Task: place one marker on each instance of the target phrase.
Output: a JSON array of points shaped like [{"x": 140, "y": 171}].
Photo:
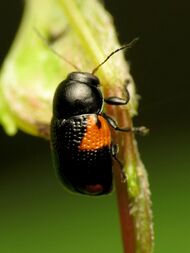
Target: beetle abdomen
[{"x": 82, "y": 150}]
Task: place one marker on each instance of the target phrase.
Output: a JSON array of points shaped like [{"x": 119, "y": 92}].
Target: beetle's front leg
[{"x": 118, "y": 100}]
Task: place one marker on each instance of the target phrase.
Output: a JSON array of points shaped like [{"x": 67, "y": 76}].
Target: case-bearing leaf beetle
[{"x": 80, "y": 133}]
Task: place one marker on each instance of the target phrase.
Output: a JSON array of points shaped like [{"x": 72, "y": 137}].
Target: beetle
[{"x": 81, "y": 141}]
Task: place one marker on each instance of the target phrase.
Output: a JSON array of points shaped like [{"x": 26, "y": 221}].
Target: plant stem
[
  {"x": 126, "y": 220},
  {"x": 133, "y": 197}
]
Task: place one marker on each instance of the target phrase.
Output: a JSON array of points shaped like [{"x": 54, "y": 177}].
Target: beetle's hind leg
[{"x": 114, "y": 151}]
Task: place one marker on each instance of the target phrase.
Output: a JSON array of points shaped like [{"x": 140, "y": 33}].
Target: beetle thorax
[{"x": 75, "y": 98}]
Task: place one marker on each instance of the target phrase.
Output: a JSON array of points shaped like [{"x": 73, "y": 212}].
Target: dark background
[{"x": 38, "y": 215}]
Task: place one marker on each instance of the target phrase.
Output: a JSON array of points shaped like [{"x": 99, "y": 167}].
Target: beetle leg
[
  {"x": 115, "y": 150},
  {"x": 113, "y": 123},
  {"x": 118, "y": 100}
]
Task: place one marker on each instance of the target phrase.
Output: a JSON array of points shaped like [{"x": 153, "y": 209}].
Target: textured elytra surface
[
  {"x": 97, "y": 134},
  {"x": 80, "y": 167}
]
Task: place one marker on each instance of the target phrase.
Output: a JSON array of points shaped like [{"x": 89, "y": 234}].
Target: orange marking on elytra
[{"x": 96, "y": 136}]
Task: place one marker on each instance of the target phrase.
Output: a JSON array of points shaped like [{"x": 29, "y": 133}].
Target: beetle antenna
[
  {"x": 54, "y": 51},
  {"x": 129, "y": 45}
]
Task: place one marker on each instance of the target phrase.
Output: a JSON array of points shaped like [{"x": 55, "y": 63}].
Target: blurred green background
[{"x": 38, "y": 215}]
